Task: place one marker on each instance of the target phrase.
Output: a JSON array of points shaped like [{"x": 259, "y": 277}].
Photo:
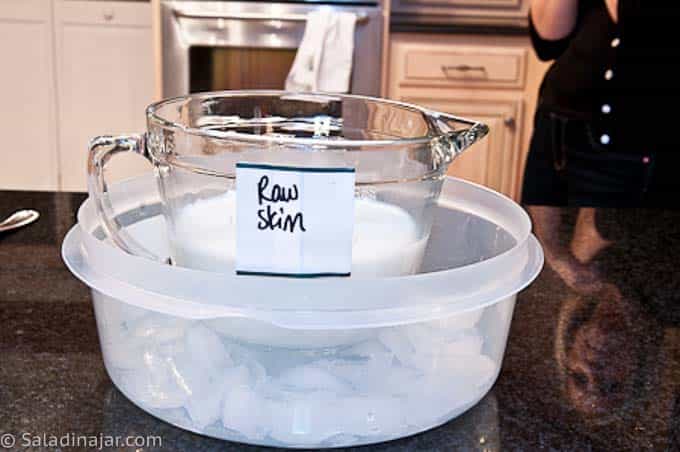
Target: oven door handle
[{"x": 361, "y": 16}]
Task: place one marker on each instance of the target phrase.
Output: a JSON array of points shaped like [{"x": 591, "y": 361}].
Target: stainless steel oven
[{"x": 216, "y": 45}]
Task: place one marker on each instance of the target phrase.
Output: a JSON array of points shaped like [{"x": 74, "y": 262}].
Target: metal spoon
[{"x": 18, "y": 219}]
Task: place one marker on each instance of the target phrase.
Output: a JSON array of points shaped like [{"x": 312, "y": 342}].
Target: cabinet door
[
  {"x": 27, "y": 113},
  {"x": 492, "y": 161},
  {"x": 105, "y": 78}
]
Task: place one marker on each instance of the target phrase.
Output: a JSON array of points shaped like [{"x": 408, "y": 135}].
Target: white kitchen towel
[
  {"x": 324, "y": 59},
  {"x": 336, "y": 60}
]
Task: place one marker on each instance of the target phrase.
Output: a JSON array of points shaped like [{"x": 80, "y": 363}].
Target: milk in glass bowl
[
  {"x": 386, "y": 239},
  {"x": 365, "y": 174}
]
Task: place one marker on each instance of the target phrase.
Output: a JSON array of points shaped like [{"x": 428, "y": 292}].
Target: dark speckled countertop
[{"x": 592, "y": 363}]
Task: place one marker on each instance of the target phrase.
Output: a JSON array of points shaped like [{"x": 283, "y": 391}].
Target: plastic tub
[{"x": 309, "y": 363}]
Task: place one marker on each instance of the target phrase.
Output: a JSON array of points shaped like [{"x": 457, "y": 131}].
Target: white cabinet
[
  {"x": 492, "y": 79},
  {"x": 70, "y": 70},
  {"x": 105, "y": 80},
  {"x": 27, "y": 108}
]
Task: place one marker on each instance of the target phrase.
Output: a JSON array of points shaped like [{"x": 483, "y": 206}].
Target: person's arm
[
  {"x": 551, "y": 23},
  {"x": 613, "y": 8},
  {"x": 554, "y": 19}
]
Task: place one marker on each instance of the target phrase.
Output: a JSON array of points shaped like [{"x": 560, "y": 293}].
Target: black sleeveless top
[{"x": 623, "y": 77}]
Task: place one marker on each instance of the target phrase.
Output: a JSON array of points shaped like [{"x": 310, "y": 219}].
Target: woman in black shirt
[
  {"x": 604, "y": 132},
  {"x": 605, "y": 127}
]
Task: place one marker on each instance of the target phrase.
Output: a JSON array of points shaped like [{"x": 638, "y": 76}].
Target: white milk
[{"x": 386, "y": 241}]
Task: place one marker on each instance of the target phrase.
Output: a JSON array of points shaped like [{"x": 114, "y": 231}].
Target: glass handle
[{"x": 101, "y": 149}]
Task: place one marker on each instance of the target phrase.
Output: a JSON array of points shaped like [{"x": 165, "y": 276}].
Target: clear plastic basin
[{"x": 309, "y": 363}]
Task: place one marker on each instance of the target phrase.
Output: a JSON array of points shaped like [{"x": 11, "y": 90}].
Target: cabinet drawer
[
  {"x": 467, "y": 67},
  {"x": 121, "y": 13}
]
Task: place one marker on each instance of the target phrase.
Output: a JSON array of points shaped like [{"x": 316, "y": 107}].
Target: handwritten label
[{"x": 294, "y": 221}]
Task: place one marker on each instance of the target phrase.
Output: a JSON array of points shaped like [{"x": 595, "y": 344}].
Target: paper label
[{"x": 294, "y": 221}]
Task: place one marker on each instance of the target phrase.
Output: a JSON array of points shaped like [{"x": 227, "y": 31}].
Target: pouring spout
[{"x": 458, "y": 134}]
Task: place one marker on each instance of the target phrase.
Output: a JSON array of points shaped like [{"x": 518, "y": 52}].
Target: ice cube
[
  {"x": 350, "y": 372},
  {"x": 424, "y": 338},
  {"x": 113, "y": 317},
  {"x": 376, "y": 354},
  {"x": 423, "y": 346},
  {"x": 237, "y": 376},
  {"x": 245, "y": 356},
  {"x": 154, "y": 379},
  {"x": 429, "y": 338},
  {"x": 159, "y": 328},
  {"x": 459, "y": 321},
  {"x": 157, "y": 384},
  {"x": 205, "y": 403},
  {"x": 400, "y": 381},
  {"x": 477, "y": 369},
  {"x": 395, "y": 339},
  {"x": 205, "y": 407},
  {"x": 124, "y": 354},
  {"x": 426, "y": 406},
  {"x": 374, "y": 415},
  {"x": 243, "y": 409},
  {"x": 430, "y": 351},
  {"x": 359, "y": 365},
  {"x": 205, "y": 348},
  {"x": 368, "y": 378},
  {"x": 264, "y": 333},
  {"x": 461, "y": 381},
  {"x": 312, "y": 377},
  {"x": 125, "y": 346},
  {"x": 466, "y": 344},
  {"x": 241, "y": 412},
  {"x": 307, "y": 418},
  {"x": 202, "y": 365}
]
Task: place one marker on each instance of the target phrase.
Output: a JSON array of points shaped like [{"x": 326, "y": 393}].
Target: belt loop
[{"x": 558, "y": 137}]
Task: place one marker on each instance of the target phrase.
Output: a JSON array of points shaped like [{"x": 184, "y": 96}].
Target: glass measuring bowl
[{"x": 399, "y": 152}]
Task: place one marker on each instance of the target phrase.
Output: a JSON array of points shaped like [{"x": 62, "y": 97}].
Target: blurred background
[{"x": 76, "y": 69}]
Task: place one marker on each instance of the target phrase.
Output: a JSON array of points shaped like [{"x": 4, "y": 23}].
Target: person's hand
[{"x": 613, "y": 7}]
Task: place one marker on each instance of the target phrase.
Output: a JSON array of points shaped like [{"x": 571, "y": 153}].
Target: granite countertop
[{"x": 592, "y": 362}]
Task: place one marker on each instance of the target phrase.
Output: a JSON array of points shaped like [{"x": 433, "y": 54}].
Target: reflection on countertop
[
  {"x": 597, "y": 338},
  {"x": 592, "y": 362}
]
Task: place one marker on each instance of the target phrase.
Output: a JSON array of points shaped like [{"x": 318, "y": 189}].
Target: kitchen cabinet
[
  {"x": 27, "y": 84},
  {"x": 492, "y": 79},
  {"x": 105, "y": 78}
]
